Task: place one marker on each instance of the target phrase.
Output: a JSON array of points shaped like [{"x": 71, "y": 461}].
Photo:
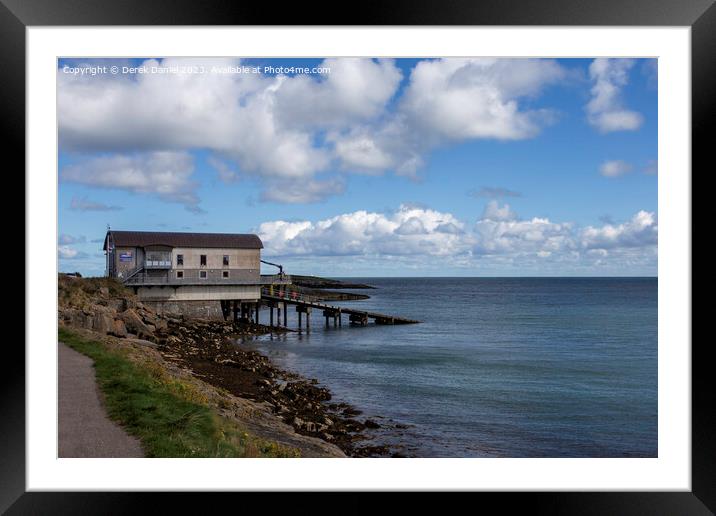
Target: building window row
[
  {"x": 202, "y": 260},
  {"x": 203, "y": 274}
]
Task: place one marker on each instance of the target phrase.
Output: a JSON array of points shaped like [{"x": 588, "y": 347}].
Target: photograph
[{"x": 357, "y": 257}]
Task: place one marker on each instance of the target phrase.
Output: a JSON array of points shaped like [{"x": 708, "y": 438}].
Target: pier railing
[{"x": 289, "y": 294}]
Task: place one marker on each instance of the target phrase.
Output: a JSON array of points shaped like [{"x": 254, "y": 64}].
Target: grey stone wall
[{"x": 190, "y": 309}]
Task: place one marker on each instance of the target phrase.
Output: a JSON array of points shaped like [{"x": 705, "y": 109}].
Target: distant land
[
  {"x": 327, "y": 288},
  {"x": 328, "y": 283}
]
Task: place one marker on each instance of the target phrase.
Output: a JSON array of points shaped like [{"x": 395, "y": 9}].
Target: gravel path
[{"x": 84, "y": 428}]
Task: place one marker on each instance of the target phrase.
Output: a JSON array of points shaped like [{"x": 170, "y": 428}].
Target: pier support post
[
  {"x": 271, "y": 314},
  {"x": 285, "y": 314},
  {"x": 225, "y": 309},
  {"x": 300, "y": 310},
  {"x": 258, "y": 307}
]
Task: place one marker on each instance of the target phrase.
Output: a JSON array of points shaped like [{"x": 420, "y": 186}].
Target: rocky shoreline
[
  {"x": 209, "y": 350},
  {"x": 213, "y": 352}
]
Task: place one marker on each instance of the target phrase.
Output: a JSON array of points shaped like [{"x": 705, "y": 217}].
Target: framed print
[{"x": 438, "y": 249}]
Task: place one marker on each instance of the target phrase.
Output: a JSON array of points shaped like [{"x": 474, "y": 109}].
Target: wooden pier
[{"x": 277, "y": 299}]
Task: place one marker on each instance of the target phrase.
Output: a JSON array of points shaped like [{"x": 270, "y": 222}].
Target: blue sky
[{"x": 407, "y": 167}]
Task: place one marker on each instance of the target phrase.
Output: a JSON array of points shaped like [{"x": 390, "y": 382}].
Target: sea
[{"x": 497, "y": 367}]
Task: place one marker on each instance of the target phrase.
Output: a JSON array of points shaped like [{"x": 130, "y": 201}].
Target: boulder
[
  {"x": 134, "y": 324},
  {"x": 118, "y": 328},
  {"x": 102, "y": 323}
]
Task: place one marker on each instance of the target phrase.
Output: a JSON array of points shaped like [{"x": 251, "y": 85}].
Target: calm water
[{"x": 505, "y": 367}]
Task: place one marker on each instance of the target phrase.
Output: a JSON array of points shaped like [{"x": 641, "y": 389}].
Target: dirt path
[{"x": 84, "y": 428}]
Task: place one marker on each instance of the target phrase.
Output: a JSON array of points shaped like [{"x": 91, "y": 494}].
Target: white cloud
[
  {"x": 267, "y": 125},
  {"x": 66, "y": 239},
  {"x": 614, "y": 168},
  {"x": 66, "y": 252},
  {"x": 289, "y": 128},
  {"x": 493, "y": 211},
  {"x": 451, "y": 100},
  {"x": 459, "y": 99},
  {"x": 164, "y": 174},
  {"x": 605, "y": 110},
  {"x": 421, "y": 235},
  {"x": 355, "y": 90},
  {"x": 407, "y": 231},
  {"x": 515, "y": 237},
  {"x": 641, "y": 230}
]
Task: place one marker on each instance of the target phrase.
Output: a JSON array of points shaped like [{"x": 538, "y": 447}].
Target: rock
[
  {"x": 118, "y": 328},
  {"x": 173, "y": 340},
  {"x": 369, "y": 423},
  {"x": 135, "y": 324},
  {"x": 143, "y": 342},
  {"x": 102, "y": 323},
  {"x": 104, "y": 291}
]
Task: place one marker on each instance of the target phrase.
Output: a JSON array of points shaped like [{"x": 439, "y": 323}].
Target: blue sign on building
[{"x": 125, "y": 257}]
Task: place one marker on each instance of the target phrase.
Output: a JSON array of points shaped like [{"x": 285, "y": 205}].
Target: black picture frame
[{"x": 700, "y": 15}]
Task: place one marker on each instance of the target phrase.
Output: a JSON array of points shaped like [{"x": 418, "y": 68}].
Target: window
[
  {"x": 202, "y": 260},
  {"x": 202, "y": 274},
  {"x": 180, "y": 259},
  {"x": 180, "y": 274},
  {"x": 224, "y": 274},
  {"x": 226, "y": 260}
]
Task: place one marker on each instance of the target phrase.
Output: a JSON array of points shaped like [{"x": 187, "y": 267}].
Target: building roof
[{"x": 148, "y": 238}]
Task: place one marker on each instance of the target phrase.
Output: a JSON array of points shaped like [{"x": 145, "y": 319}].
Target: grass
[{"x": 170, "y": 417}]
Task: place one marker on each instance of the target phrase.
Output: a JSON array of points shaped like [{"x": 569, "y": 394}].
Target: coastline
[{"x": 212, "y": 353}]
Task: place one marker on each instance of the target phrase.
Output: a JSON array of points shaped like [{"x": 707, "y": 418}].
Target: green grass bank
[{"x": 171, "y": 418}]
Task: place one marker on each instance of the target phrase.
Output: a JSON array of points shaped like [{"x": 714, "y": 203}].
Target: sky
[{"x": 352, "y": 167}]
